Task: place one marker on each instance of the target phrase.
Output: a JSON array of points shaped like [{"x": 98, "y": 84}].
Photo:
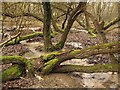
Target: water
[
  {"x": 79, "y": 30},
  {"x": 82, "y": 62},
  {"x": 33, "y": 53},
  {"x": 75, "y": 44},
  {"x": 100, "y": 80}
]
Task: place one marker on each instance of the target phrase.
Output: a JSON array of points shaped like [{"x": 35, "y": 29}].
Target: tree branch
[{"x": 9, "y": 39}]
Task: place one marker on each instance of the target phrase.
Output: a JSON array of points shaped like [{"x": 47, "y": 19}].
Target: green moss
[
  {"x": 11, "y": 73},
  {"x": 89, "y": 69},
  {"x": 54, "y": 33},
  {"x": 18, "y": 59},
  {"x": 48, "y": 67},
  {"x": 28, "y": 64},
  {"x": 49, "y": 56},
  {"x": 74, "y": 52},
  {"x": 59, "y": 45},
  {"x": 18, "y": 39},
  {"x": 91, "y": 32}
]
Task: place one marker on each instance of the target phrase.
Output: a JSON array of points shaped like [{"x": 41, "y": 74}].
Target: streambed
[
  {"x": 87, "y": 80},
  {"x": 68, "y": 80}
]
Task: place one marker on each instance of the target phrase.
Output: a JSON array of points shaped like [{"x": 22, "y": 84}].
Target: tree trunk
[
  {"x": 46, "y": 27},
  {"x": 88, "y": 27},
  {"x": 74, "y": 14},
  {"x": 88, "y": 69},
  {"x": 101, "y": 33},
  {"x": 57, "y": 58}
]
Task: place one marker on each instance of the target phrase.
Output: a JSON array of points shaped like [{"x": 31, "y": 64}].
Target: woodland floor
[{"x": 63, "y": 80}]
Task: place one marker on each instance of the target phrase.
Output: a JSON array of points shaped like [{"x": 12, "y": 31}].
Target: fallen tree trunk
[
  {"x": 11, "y": 73},
  {"x": 88, "y": 69},
  {"x": 57, "y": 58},
  {"x": 19, "y": 60},
  {"x": 52, "y": 60}
]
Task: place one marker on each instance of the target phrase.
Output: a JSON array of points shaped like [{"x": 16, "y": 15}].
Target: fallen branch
[
  {"x": 111, "y": 23},
  {"x": 17, "y": 40},
  {"x": 2, "y": 44}
]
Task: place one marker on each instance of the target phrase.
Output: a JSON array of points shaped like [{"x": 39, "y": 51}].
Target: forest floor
[{"x": 76, "y": 40}]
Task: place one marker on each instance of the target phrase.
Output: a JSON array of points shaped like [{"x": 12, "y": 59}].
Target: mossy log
[
  {"x": 19, "y": 60},
  {"x": 56, "y": 58},
  {"x": 88, "y": 69},
  {"x": 11, "y": 73},
  {"x": 15, "y": 59},
  {"x": 3, "y": 43},
  {"x": 21, "y": 38}
]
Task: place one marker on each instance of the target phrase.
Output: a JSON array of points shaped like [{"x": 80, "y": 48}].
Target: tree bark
[
  {"x": 112, "y": 23},
  {"x": 46, "y": 27},
  {"x": 52, "y": 60},
  {"x": 88, "y": 69},
  {"x": 101, "y": 34},
  {"x": 20, "y": 61},
  {"x": 62, "y": 10},
  {"x": 4, "y": 43},
  {"x": 22, "y": 14},
  {"x": 74, "y": 14},
  {"x": 21, "y": 38},
  {"x": 57, "y": 58}
]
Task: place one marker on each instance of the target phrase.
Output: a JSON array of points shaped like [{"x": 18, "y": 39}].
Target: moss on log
[
  {"x": 80, "y": 53},
  {"x": 52, "y": 55},
  {"x": 21, "y": 38},
  {"x": 88, "y": 69},
  {"x": 48, "y": 66},
  {"x": 18, "y": 60},
  {"x": 85, "y": 52},
  {"x": 11, "y": 73},
  {"x": 3, "y": 43}
]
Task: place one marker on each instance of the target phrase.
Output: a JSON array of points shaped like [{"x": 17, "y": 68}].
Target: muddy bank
[{"x": 18, "y": 49}]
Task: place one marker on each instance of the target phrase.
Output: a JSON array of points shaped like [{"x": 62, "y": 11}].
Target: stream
[
  {"x": 33, "y": 52},
  {"x": 88, "y": 80}
]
